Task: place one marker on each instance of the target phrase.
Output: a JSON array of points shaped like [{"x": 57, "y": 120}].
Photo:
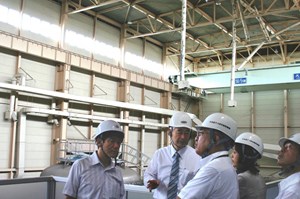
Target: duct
[
  {"x": 18, "y": 79},
  {"x": 74, "y": 116},
  {"x": 88, "y": 100},
  {"x": 20, "y": 146},
  {"x": 78, "y": 116}
]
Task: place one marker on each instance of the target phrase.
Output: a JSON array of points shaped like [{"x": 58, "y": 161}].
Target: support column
[
  {"x": 123, "y": 95},
  {"x": 166, "y": 100},
  {"x": 59, "y": 132}
]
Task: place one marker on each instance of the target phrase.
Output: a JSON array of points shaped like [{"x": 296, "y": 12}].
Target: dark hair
[
  {"x": 108, "y": 134},
  {"x": 226, "y": 140},
  {"x": 247, "y": 159}
]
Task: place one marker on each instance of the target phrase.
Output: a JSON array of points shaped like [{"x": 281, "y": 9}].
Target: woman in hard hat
[
  {"x": 289, "y": 160},
  {"x": 158, "y": 175},
  {"x": 217, "y": 177},
  {"x": 96, "y": 176},
  {"x": 247, "y": 150}
]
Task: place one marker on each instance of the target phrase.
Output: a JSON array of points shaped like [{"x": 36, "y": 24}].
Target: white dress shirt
[
  {"x": 217, "y": 179},
  {"x": 289, "y": 187},
  {"x": 160, "y": 166}
]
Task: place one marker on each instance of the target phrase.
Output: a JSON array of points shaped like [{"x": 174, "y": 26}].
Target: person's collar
[
  {"x": 96, "y": 160},
  {"x": 180, "y": 151}
]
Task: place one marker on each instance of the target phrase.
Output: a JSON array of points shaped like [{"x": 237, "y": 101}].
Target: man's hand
[{"x": 152, "y": 184}]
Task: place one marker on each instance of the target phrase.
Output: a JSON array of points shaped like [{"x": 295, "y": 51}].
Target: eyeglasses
[
  {"x": 202, "y": 131},
  {"x": 182, "y": 131}
]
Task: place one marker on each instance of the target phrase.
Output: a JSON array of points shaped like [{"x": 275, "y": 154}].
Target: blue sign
[
  {"x": 242, "y": 80},
  {"x": 296, "y": 76}
]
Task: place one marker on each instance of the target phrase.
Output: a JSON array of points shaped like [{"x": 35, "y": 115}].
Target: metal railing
[{"x": 70, "y": 150}]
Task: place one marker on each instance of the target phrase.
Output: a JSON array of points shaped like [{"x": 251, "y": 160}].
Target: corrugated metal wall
[
  {"x": 265, "y": 107},
  {"x": 42, "y": 74},
  {"x": 267, "y": 112}
]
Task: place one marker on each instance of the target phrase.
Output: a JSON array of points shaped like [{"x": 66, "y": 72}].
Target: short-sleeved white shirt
[
  {"x": 89, "y": 179},
  {"x": 289, "y": 187},
  {"x": 160, "y": 167},
  {"x": 216, "y": 179}
]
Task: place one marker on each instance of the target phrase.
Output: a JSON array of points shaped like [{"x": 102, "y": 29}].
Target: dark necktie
[{"x": 172, "y": 188}]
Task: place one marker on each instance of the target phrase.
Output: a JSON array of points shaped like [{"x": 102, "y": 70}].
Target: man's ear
[
  {"x": 99, "y": 142},
  {"x": 216, "y": 137}
]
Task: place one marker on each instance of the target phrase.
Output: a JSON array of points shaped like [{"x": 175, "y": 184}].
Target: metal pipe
[
  {"x": 232, "y": 80},
  {"x": 20, "y": 146},
  {"x": 285, "y": 113},
  {"x": 74, "y": 116},
  {"x": 183, "y": 40},
  {"x": 89, "y": 100}
]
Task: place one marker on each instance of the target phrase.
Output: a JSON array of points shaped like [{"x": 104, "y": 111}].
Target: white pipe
[
  {"x": 89, "y": 100},
  {"x": 232, "y": 80},
  {"x": 78, "y": 116},
  {"x": 183, "y": 41},
  {"x": 12, "y": 105},
  {"x": 20, "y": 146}
]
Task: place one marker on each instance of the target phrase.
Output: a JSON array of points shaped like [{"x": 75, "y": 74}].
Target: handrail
[{"x": 71, "y": 149}]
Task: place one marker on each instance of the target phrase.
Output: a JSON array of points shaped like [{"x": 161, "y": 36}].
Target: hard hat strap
[{"x": 256, "y": 156}]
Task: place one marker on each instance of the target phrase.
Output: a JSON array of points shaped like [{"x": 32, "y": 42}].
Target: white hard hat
[
  {"x": 108, "y": 126},
  {"x": 220, "y": 122},
  {"x": 251, "y": 140},
  {"x": 294, "y": 138},
  {"x": 181, "y": 119}
]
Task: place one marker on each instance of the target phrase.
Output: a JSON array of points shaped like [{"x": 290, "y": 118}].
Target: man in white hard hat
[
  {"x": 289, "y": 160},
  {"x": 158, "y": 175},
  {"x": 217, "y": 177},
  {"x": 97, "y": 176},
  {"x": 248, "y": 148}
]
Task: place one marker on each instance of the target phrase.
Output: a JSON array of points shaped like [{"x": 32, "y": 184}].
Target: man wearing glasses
[
  {"x": 160, "y": 174},
  {"x": 217, "y": 178}
]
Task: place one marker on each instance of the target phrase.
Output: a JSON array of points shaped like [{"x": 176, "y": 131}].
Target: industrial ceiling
[{"x": 213, "y": 27}]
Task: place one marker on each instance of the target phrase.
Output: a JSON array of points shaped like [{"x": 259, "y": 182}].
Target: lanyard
[{"x": 221, "y": 156}]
